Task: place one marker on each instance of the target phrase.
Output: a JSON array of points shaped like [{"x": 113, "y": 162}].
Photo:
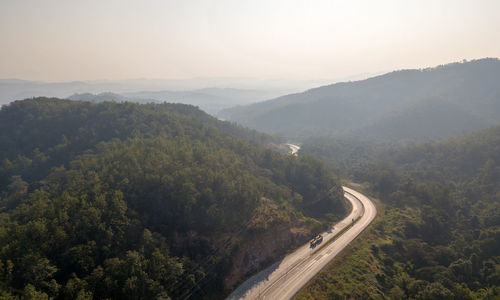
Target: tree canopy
[{"x": 135, "y": 201}]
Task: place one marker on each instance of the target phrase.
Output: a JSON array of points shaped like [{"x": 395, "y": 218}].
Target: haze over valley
[
  {"x": 249, "y": 149},
  {"x": 211, "y": 95}
]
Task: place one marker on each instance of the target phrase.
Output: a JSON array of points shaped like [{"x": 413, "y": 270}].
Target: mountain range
[
  {"x": 210, "y": 94},
  {"x": 210, "y": 99},
  {"x": 408, "y": 104}
]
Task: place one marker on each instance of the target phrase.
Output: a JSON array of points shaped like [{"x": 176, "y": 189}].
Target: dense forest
[
  {"x": 438, "y": 232},
  {"x": 140, "y": 201},
  {"x": 418, "y": 104}
]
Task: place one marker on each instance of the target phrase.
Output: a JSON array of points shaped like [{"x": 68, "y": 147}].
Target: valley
[{"x": 124, "y": 197}]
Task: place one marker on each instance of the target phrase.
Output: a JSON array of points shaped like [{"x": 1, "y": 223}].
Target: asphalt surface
[
  {"x": 285, "y": 278},
  {"x": 293, "y": 148}
]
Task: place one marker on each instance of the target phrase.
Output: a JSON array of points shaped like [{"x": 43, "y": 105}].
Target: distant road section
[
  {"x": 293, "y": 149},
  {"x": 285, "y": 278}
]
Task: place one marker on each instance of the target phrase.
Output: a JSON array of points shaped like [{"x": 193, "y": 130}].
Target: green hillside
[
  {"x": 414, "y": 104},
  {"x": 425, "y": 120},
  {"x": 131, "y": 201}
]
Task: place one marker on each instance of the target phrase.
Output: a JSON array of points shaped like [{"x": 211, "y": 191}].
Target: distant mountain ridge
[
  {"x": 366, "y": 108},
  {"x": 210, "y": 94},
  {"x": 105, "y": 96},
  {"x": 194, "y": 92},
  {"x": 210, "y": 100}
]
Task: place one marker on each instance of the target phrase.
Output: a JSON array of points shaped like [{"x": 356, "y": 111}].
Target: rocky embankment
[{"x": 262, "y": 250}]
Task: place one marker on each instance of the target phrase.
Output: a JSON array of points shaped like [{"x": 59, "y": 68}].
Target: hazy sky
[{"x": 61, "y": 40}]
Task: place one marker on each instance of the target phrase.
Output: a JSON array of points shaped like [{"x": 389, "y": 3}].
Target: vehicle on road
[{"x": 316, "y": 241}]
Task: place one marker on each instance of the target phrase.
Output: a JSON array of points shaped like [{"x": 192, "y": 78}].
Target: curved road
[
  {"x": 285, "y": 278},
  {"x": 294, "y": 149}
]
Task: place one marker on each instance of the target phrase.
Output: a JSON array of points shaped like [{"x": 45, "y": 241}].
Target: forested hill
[
  {"x": 132, "y": 201},
  {"x": 412, "y": 104},
  {"x": 43, "y": 123},
  {"x": 472, "y": 159}
]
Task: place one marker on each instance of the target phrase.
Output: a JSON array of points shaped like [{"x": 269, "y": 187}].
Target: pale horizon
[{"x": 62, "y": 41}]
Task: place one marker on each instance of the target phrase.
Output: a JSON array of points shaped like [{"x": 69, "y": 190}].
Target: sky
[{"x": 65, "y": 40}]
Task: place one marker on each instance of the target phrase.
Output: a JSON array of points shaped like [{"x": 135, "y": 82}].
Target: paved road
[
  {"x": 285, "y": 278},
  {"x": 293, "y": 149}
]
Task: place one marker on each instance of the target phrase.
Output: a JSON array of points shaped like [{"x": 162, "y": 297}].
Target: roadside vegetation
[{"x": 438, "y": 234}]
